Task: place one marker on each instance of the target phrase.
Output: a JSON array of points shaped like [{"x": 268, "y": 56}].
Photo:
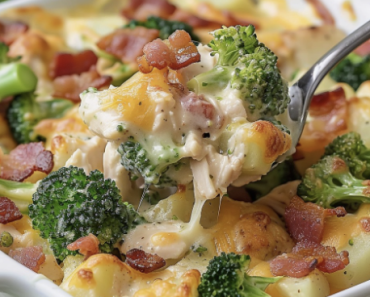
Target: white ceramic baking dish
[{"x": 18, "y": 281}]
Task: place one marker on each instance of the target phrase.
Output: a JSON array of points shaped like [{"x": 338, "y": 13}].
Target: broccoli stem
[
  {"x": 16, "y": 78},
  {"x": 217, "y": 78},
  {"x": 20, "y": 193}
]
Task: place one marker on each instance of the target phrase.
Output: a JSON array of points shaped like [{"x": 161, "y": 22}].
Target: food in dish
[{"x": 139, "y": 164}]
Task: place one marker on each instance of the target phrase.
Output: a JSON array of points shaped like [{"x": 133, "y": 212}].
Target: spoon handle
[{"x": 302, "y": 91}]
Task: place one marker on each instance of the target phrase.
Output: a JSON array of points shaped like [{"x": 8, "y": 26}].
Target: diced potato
[{"x": 347, "y": 234}]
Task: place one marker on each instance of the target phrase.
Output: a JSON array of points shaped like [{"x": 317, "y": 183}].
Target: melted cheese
[
  {"x": 169, "y": 240},
  {"x": 104, "y": 275}
]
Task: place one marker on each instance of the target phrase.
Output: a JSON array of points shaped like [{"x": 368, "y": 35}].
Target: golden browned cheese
[
  {"x": 104, "y": 275},
  {"x": 246, "y": 228},
  {"x": 133, "y": 99},
  {"x": 275, "y": 141},
  {"x": 186, "y": 286}
]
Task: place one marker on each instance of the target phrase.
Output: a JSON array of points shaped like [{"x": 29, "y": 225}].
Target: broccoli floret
[
  {"x": 329, "y": 183},
  {"x": 15, "y": 77},
  {"x": 281, "y": 174},
  {"x": 165, "y": 27},
  {"x": 248, "y": 67},
  {"x": 69, "y": 204},
  {"x": 226, "y": 276},
  {"x": 151, "y": 166},
  {"x": 351, "y": 149},
  {"x": 19, "y": 192},
  {"x": 24, "y": 113},
  {"x": 353, "y": 70}
]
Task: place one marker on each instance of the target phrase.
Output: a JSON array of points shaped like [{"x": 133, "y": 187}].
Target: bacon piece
[
  {"x": 203, "y": 111},
  {"x": 10, "y": 31},
  {"x": 292, "y": 265},
  {"x": 328, "y": 259},
  {"x": 329, "y": 113},
  {"x": 71, "y": 86},
  {"x": 24, "y": 160},
  {"x": 9, "y": 212},
  {"x": 305, "y": 257},
  {"x": 176, "y": 53},
  {"x": 305, "y": 221},
  {"x": 363, "y": 49},
  {"x": 323, "y": 12},
  {"x": 144, "y": 262},
  {"x": 32, "y": 257},
  {"x": 127, "y": 44},
  {"x": 198, "y": 105},
  {"x": 142, "y": 9},
  {"x": 88, "y": 245},
  {"x": 67, "y": 64},
  {"x": 192, "y": 20}
]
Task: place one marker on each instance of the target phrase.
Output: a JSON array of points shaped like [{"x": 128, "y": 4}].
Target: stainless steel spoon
[{"x": 302, "y": 91}]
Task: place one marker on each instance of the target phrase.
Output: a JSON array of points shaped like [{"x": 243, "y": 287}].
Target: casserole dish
[{"x": 16, "y": 280}]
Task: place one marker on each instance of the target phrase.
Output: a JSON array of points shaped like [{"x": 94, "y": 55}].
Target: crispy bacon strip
[
  {"x": 292, "y": 265},
  {"x": 176, "y": 53},
  {"x": 144, "y": 262},
  {"x": 142, "y": 9},
  {"x": 88, "y": 245},
  {"x": 9, "y": 212},
  {"x": 32, "y": 257},
  {"x": 305, "y": 257},
  {"x": 67, "y": 64},
  {"x": 24, "y": 160},
  {"x": 322, "y": 11},
  {"x": 127, "y": 44},
  {"x": 71, "y": 86},
  {"x": 328, "y": 259},
  {"x": 305, "y": 221},
  {"x": 192, "y": 20},
  {"x": 329, "y": 113},
  {"x": 10, "y": 31}
]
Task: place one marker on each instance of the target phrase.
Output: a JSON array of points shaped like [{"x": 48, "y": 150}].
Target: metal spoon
[{"x": 302, "y": 91}]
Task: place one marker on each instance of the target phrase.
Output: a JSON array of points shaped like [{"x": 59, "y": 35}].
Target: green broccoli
[
  {"x": 69, "y": 204},
  {"x": 15, "y": 77},
  {"x": 19, "y": 192},
  {"x": 353, "y": 70},
  {"x": 329, "y": 183},
  {"x": 351, "y": 149},
  {"x": 226, "y": 276},
  {"x": 149, "y": 164},
  {"x": 165, "y": 27},
  {"x": 281, "y": 174},
  {"x": 25, "y": 112},
  {"x": 248, "y": 67}
]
